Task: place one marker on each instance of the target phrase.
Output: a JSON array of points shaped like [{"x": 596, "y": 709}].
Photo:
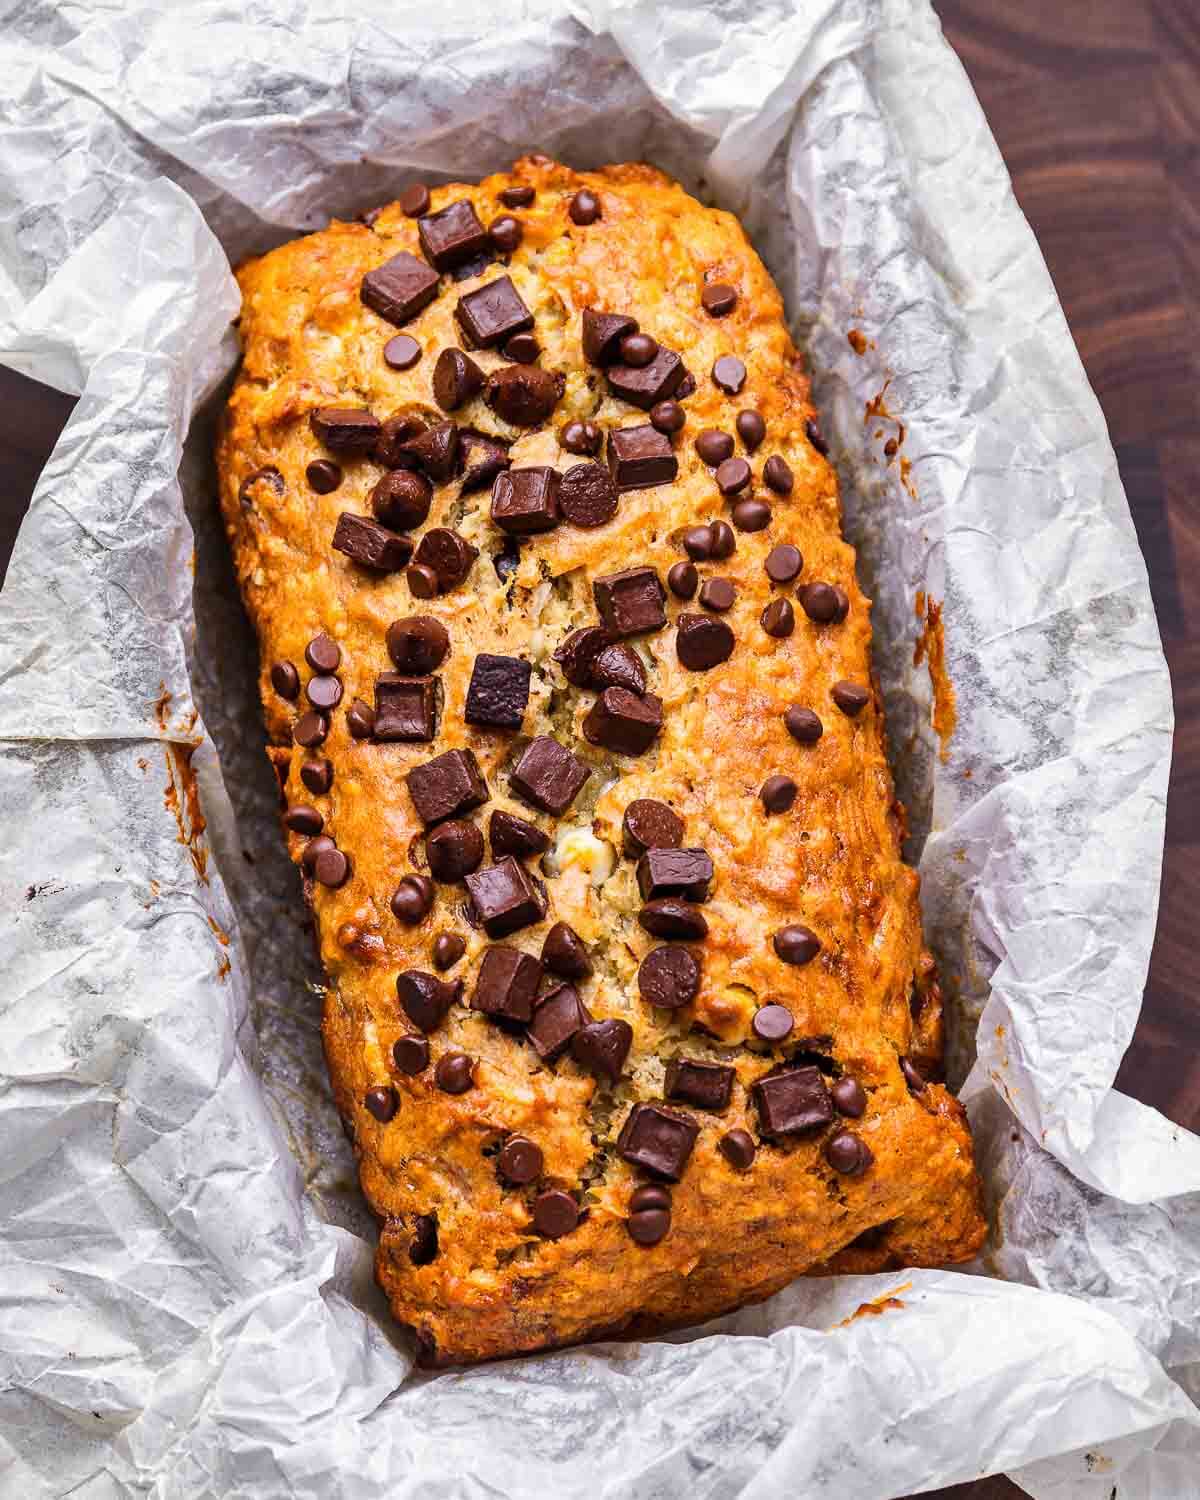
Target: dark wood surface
[{"x": 1096, "y": 106}]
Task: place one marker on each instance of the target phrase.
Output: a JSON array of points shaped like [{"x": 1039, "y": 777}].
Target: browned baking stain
[
  {"x": 182, "y": 798},
  {"x": 931, "y": 647},
  {"x": 857, "y": 341},
  {"x": 877, "y": 1308}
]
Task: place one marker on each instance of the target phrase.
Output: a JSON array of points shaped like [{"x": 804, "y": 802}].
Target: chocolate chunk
[
  {"x": 704, "y": 1084},
  {"x": 405, "y": 707},
  {"x": 587, "y": 495},
  {"x": 702, "y": 642},
  {"x": 390, "y": 447},
  {"x": 647, "y": 385},
  {"x": 401, "y": 352},
  {"x": 455, "y": 1073},
  {"x": 360, "y": 720},
  {"x": 777, "y": 476},
  {"x": 751, "y": 429},
  {"x": 446, "y": 786},
  {"x": 674, "y": 872},
  {"x": 621, "y": 721},
  {"x": 509, "y": 834},
  {"x": 640, "y": 458},
  {"x": 729, "y": 374},
  {"x": 564, "y": 954},
  {"x": 448, "y": 555},
  {"x": 697, "y": 543},
  {"x": 724, "y": 543},
  {"x": 317, "y": 776},
  {"x": 505, "y": 233},
  {"x": 668, "y": 917},
  {"x": 848, "y": 1153},
  {"x": 525, "y": 501},
  {"x": 422, "y": 582},
  {"x": 452, "y": 235},
  {"x": 412, "y": 899},
  {"x": 369, "y": 544},
  {"x": 548, "y": 775},
  {"x": 286, "y": 680},
  {"x": 314, "y": 849},
  {"x": 796, "y": 944},
  {"x": 577, "y": 654},
  {"x": 631, "y": 602},
  {"x": 602, "y": 335},
  {"x": 400, "y": 288},
  {"x": 791, "y": 1101},
  {"x": 492, "y": 313},
  {"x": 456, "y": 378},
  {"x": 751, "y": 515},
  {"x": 401, "y": 499},
  {"x": 849, "y": 1097},
  {"x": 516, "y": 197},
  {"x": 310, "y": 729},
  {"x": 425, "y": 999},
  {"x": 417, "y": 644},
  {"x": 718, "y": 594},
  {"x": 732, "y": 476},
  {"x": 424, "y": 1246},
  {"x": 556, "y": 1213},
  {"x": 522, "y": 349},
  {"x": 914, "y": 1080},
  {"x": 382, "y": 1102},
  {"x": 777, "y": 793},
  {"x": 504, "y": 898},
  {"x": 520, "y": 1161},
  {"x": 414, "y": 200},
  {"x": 667, "y": 417},
  {"x": 772, "y": 1023},
  {"x": 714, "y": 447},
  {"x": 738, "y": 1148},
  {"x": 778, "y": 619},
  {"x": 602, "y": 1047},
  {"x": 815, "y": 438},
  {"x": 802, "y": 724},
  {"x": 683, "y": 580},
  {"x": 850, "y": 697},
  {"x": 323, "y": 475},
  {"x": 580, "y": 437},
  {"x": 411, "y": 1055},
  {"x": 718, "y": 299},
  {"x": 345, "y": 429},
  {"x": 584, "y": 207},
  {"x": 482, "y": 459},
  {"x": 523, "y": 395},
  {"x": 499, "y": 690},
  {"x": 448, "y": 948},
  {"x": 331, "y": 868},
  {"x": 649, "y": 1226},
  {"x": 638, "y": 349},
  {"x": 454, "y": 849},
  {"x": 648, "y": 824},
  {"x": 558, "y": 1016},
  {"x": 434, "y": 450},
  {"x": 619, "y": 666},
  {"x": 507, "y": 984},
  {"x": 783, "y": 563},
  {"x": 301, "y": 818},
  {"x": 657, "y": 1140},
  {"x": 669, "y": 977}
]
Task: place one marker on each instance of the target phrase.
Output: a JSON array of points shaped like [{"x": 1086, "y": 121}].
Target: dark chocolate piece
[
  {"x": 619, "y": 666},
  {"x": 286, "y": 680},
  {"x": 668, "y": 417},
  {"x": 777, "y": 794},
  {"x": 669, "y": 917},
  {"x": 405, "y": 707},
  {"x": 729, "y": 374},
  {"x": 658, "y": 1140},
  {"x": 504, "y": 898},
  {"x": 447, "y": 555},
  {"x": 669, "y": 977},
  {"x": 448, "y": 948},
  {"x": 310, "y": 729},
  {"x": 414, "y": 200},
  {"x": 507, "y": 984},
  {"x": 520, "y": 1161},
  {"x": 714, "y": 446},
  {"x": 555, "y": 1213},
  {"x": 802, "y": 724},
  {"x": 703, "y": 1084},
  {"x": 454, "y": 849},
  {"x": 648, "y": 824},
  {"x": 417, "y": 644},
  {"x": 456, "y": 378},
  {"x": 850, "y": 697},
  {"x": 434, "y": 450},
  {"x": 587, "y": 495},
  {"x": 324, "y": 693},
  {"x": 849, "y": 1097},
  {"x": 702, "y": 642},
  {"x": 564, "y": 954},
  {"x": 401, "y": 499},
  {"x": 410, "y": 1055},
  {"x": 621, "y": 721},
  {"x": 640, "y": 458},
  {"x": 646, "y": 385},
  {"x": 848, "y": 1153},
  {"x": 784, "y": 563},
  {"x": 777, "y": 476},
  {"x": 796, "y": 944},
  {"x": 548, "y": 775},
  {"x": 382, "y": 1102},
  {"x": 674, "y": 872},
  {"x": 584, "y": 208},
  {"x": 751, "y": 514},
  {"x": 602, "y": 335},
  {"x": 524, "y": 395},
  {"x": 317, "y": 776},
  {"x": 446, "y": 786},
  {"x": 578, "y": 653},
  {"x": 323, "y": 475},
  {"x": 509, "y": 834},
  {"x": 301, "y": 818},
  {"x": 738, "y": 1148},
  {"x": 505, "y": 233},
  {"x": 369, "y": 544},
  {"x": 498, "y": 692},
  {"x": 525, "y": 501},
  {"x": 631, "y": 602},
  {"x": 580, "y": 437},
  {"x": 452, "y": 235},
  {"x": 772, "y": 1023},
  {"x": 791, "y": 1101},
  {"x": 412, "y": 899},
  {"x": 401, "y": 352},
  {"x": 602, "y": 1047},
  {"x": 482, "y": 459},
  {"x": 345, "y": 429},
  {"x": 558, "y": 1016},
  {"x": 400, "y": 288},
  {"x": 516, "y": 197},
  {"x": 360, "y": 720},
  {"x": 425, "y": 999},
  {"x": 492, "y": 313},
  {"x": 683, "y": 580},
  {"x": 455, "y": 1073},
  {"x": 718, "y": 298},
  {"x": 395, "y": 432},
  {"x": 751, "y": 429}
]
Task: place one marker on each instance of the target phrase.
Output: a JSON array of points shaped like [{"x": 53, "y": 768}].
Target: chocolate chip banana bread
[{"x": 568, "y": 688}]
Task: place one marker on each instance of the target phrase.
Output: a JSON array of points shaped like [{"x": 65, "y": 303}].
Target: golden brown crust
[{"x": 832, "y": 861}]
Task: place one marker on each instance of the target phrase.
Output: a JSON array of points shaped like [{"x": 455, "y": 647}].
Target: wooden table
[{"x": 1096, "y": 106}]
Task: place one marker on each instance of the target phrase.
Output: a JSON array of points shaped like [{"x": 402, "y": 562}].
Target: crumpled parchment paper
[{"x": 187, "y": 1300}]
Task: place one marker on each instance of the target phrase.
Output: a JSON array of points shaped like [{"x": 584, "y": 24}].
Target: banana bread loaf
[{"x": 567, "y": 685}]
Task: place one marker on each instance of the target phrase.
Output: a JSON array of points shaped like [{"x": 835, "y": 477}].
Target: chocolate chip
[
  {"x": 516, "y": 197},
  {"x": 422, "y": 582},
  {"x": 802, "y": 724},
  {"x": 401, "y": 352},
  {"x": 584, "y": 207},
  {"x": 369, "y": 544},
  {"x": 718, "y": 594},
  {"x": 602, "y": 1047},
  {"x": 401, "y": 499},
  {"x": 649, "y": 1226},
  {"x": 424, "y": 1246},
  {"x": 580, "y": 437},
  {"x": 509, "y": 834},
  {"x": 492, "y": 313},
  {"x": 791, "y": 1101},
  {"x": 448, "y": 948},
  {"x": 301, "y": 818},
  {"x": 564, "y": 953},
  {"x": 733, "y": 476},
  {"x": 382, "y": 1103},
  {"x": 523, "y": 395},
  {"x": 714, "y": 447},
  {"x": 520, "y": 1161},
  {"x": 577, "y": 654},
  {"x": 703, "y": 1084},
  {"x": 647, "y": 385},
  {"x": 412, "y": 899},
  {"x": 640, "y": 458},
  {"x": 448, "y": 555},
  {"x": 623, "y": 722},
  {"x": 405, "y": 707},
  {"x": 674, "y": 872},
  {"x": 360, "y": 720},
  {"x": 724, "y": 543},
  {"x": 410, "y": 1054},
  {"x": 669, "y": 917},
  {"x": 669, "y": 977},
  {"x": 417, "y": 644},
  {"x": 587, "y": 495},
  {"x": 548, "y": 776},
  {"x": 751, "y": 515},
  {"x": 914, "y": 1080},
  {"x": 499, "y": 690},
  {"x": 843, "y": 604},
  {"x": 778, "y": 619},
  {"x": 557, "y": 1017},
  {"x": 331, "y": 868},
  {"x": 482, "y": 459},
  {"x": 815, "y": 438},
  {"x": 345, "y": 429},
  {"x": 310, "y": 729},
  {"x": 446, "y": 786},
  {"x": 751, "y": 429},
  {"x": 556, "y": 1213},
  {"x": 434, "y": 450},
  {"x": 796, "y": 944},
  {"x": 452, "y": 235},
  {"x": 323, "y": 475},
  {"x": 425, "y": 999},
  {"x": 650, "y": 1195},
  {"x": 370, "y": 216},
  {"x": 505, "y": 233},
  {"x": 523, "y": 349},
  {"x": 772, "y": 1023},
  {"x": 602, "y": 335},
  {"x": 738, "y": 1148},
  {"x": 390, "y": 447},
  {"x": 683, "y": 580},
  {"x": 619, "y": 666},
  {"x": 314, "y": 849},
  {"x": 777, "y": 476},
  {"x": 648, "y": 824},
  {"x": 454, "y": 849},
  {"x": 507, "y": 984},
  {"x": 702, "y": 642},
  {"x": 503, "y": 898},
  {"x": 850, "y": 697},
  {"x": 848, "y": 1153},
  {"x": 657, "y": 1140},
  {"x": 324, "y": 693},
  {"x": 849, "y": 1097},
  {"x": 638, "y": 349},
  {"x": 630, "y": 602},
  {"x": 718, "y": 299},
  {"x": 778, "y": 793},
  {"x": 456, "y": 378},
  {"x": 697, "y": 543},
  {"x": 317, "y": 776},
  {"x": 819, "y": 602},
  {"x": 667, "y": 416},
  {"x": 729, "y": 374},
  {"x": 783, "y": 563},
  {"x": 285, "y": 680},
  {"x": 400, "y": 288},
  {"x": 454, "y": 1073}
]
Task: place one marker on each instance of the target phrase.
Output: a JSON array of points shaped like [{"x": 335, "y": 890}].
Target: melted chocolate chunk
[
  {"x": 524, "y": 395},
  {"x": 559, "y": 1015},
  {"x": 602, "y": 1047},
  {"x": 446, "y": 786},
  {"x": 414, "y": 200},
  {"x": 509, "y": 834},
  {"x": 640, "y": 458},
  {"x": 674, "y": 872},
  {"x": 631, "y": 602},
  {"x": 602, "y": 335},
  {"x": 452, "y": 235},
  {"x": 425, "y": 999},
  {"x": 619, "y": 666},
  {"x": 400, "y": 288},
  {"x": 587, "y": 495},
  {"x": 668, "y": 917},
  {"x": 405, "y": 707},
  {"x": 621, "y": 721},
  {"x": 482, "y": 459},
  {"x": 505, "y": 233},
  {"x": 389, "y": 449},
  {"x": 657, "y": 1140},
  {"x": 504, "y": 898},
  {"x": 435, "y": 450},
  {"x": 499, "y": 691},
  {"x": 525, "y": 501},
  {"x": 578, "y": 653},
  {"x": 492, "y": 313},
  {"x": 369, "y": 544},
  {"x": 564, "y": 954},
  {"x": 507, "y": 984},
  {"x": 548, "y": 775},
  {"x": 791, "y": 1101},
  {"x": 522, "y": 348},
  {"x": 647, "y": 385},
  {"x": 669, "y": 977},
  {"x": 702, "y": 642},
  {"x": 417, "y": 644},
  {"x": 454, "y": 849},
  {"x": 704, "y": 1084},
  {"x": 447, "y": 555},
  {"x": 648, "y": 824},
  {"x": 345, "y": 429},
  {"x": 456, "y": 378}
]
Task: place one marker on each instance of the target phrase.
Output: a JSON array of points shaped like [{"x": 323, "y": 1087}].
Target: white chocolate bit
[{"x": 579, "y": 848}]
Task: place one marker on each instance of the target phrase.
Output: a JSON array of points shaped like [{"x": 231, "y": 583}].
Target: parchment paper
[{"x": 187, "y": 1305}]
